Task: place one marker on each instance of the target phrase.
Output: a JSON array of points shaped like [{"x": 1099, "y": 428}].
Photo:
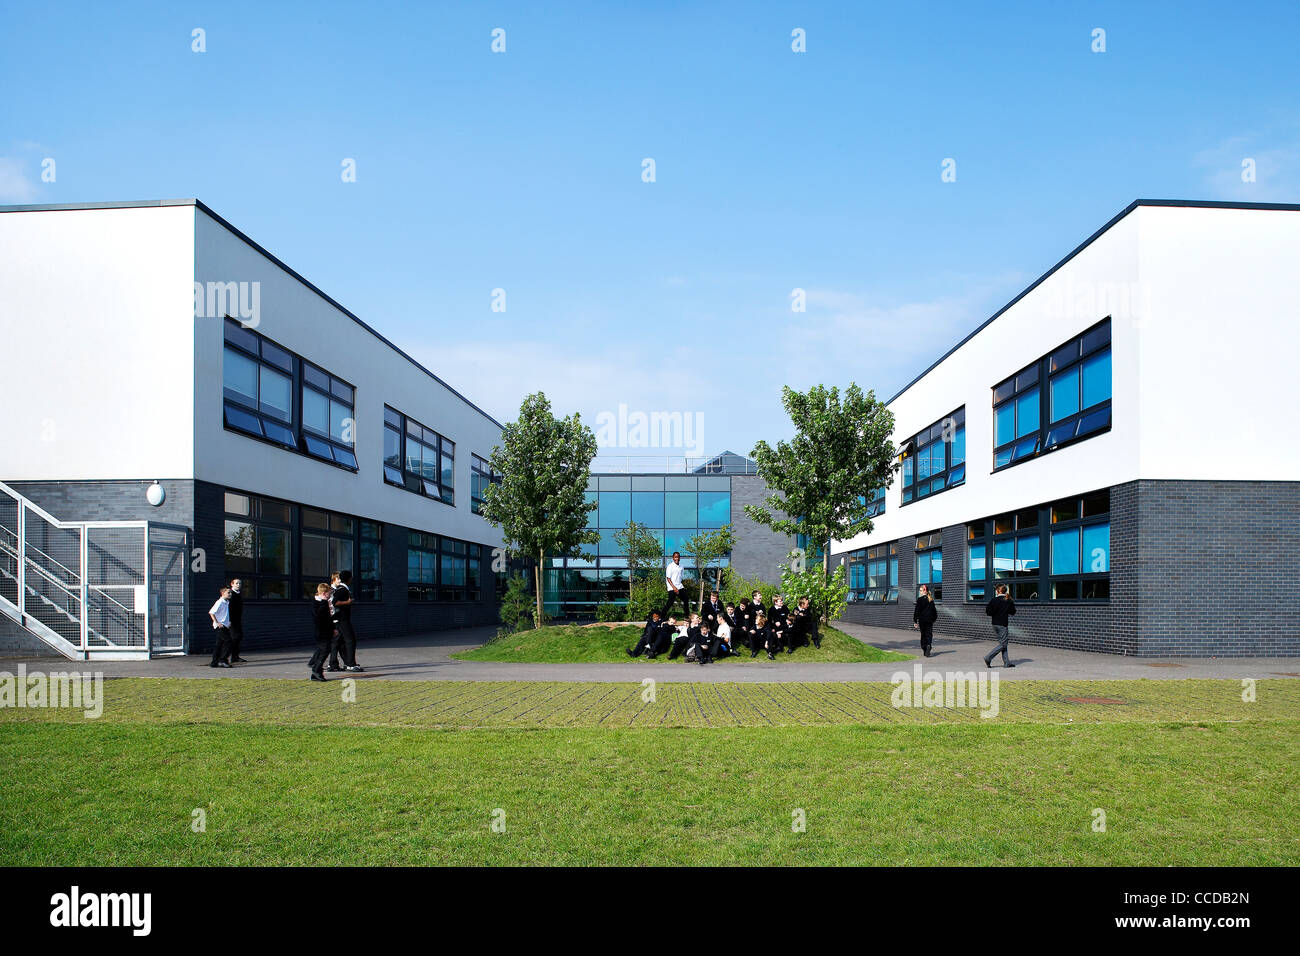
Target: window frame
[
  {"x": 481, "y": 474},
  {"x": 928, "y": 545},
  {"x": 953, "y": 473},
  {"x": 410, "y": 430},
  {"x": 1042, "y": 374}
]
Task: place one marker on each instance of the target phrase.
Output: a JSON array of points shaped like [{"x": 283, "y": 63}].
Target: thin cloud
[
  {"x": 1276, "y": 169},
  {"x": 15, "y": 185}
]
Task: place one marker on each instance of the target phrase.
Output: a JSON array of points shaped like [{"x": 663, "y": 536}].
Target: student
[
  {"x": 702, "y": 649},
  {"x": 781, "y": 636},
  {"x": 806, "y": 623},
  {"x": 689, "y": 637},
  {"x": 1000, "y": 609},
  {"x": 345, "y": 642},
  {"x": 323, "y": 628},
  {"x": 722, "y": 646},
  {"x": 713, "y": 610},
  {"x": 923, "y": 616},
  {"x": 744, "y": 627},
  {"x": 236, "y": 620},
  {"x": 648, "y": 637},
  {"x": 664, "y": 638},
  {"x": 220, "y": 614},
  {"x": 673, "y": 579},
  {"x": 762, "y": 637},
  {"x": 756, "y": 604}
]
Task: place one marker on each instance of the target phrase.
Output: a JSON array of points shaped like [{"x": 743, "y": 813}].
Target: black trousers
[
  {"x": 236, "y": 638},
  {"x": 345, "y": 644},
  {"x": 323, "y": 644},
  {"x": 927, "y": 636},
  {"x": 222, "y": 651},
  {"x": 674, "y": 596},
  {"x": 1003, "y": 635}
]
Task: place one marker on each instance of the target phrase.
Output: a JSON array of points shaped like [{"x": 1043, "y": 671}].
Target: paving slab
[{"x": 428, "y": 657}]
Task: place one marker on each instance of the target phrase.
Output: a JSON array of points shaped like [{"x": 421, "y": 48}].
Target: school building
[
  {"x": 1115, "y": 445},
  {"x": 185, "y": 408}
]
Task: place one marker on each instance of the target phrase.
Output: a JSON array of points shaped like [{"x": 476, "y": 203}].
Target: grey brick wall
[
  {"x": 758, "y": 551},
  {"x": 1197, "y": 569}
]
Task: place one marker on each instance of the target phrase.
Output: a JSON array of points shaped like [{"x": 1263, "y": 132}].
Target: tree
[
  {"x": 707, "y": 547},
  {"x": 644, "y": 550},
  {"x": 829, "y": 595},
  {"x": 823, "y": 477},
  {"x": 540, "y": 504}
]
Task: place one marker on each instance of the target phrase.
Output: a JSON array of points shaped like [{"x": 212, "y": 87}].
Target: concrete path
[{"x": 427, "y": 657}]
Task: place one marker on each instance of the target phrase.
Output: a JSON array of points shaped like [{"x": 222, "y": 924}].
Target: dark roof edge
[
  {"x": 198, "y": 204},
  {"x": 1193, "y": 203}
]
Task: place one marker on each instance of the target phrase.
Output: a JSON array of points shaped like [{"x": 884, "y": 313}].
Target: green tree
[
  {"x": 708, "y": 547},
  {"x": 823, "y": 477},
  {"x": 643, "y": 548},
  {"x": 829, "y": 594},
  {"x": 540, "y": 504}
]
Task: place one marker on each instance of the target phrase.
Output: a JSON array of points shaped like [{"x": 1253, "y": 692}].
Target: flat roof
[
  {"x": 1191, "y": 203},
  {"x": 198, "y": 204}
]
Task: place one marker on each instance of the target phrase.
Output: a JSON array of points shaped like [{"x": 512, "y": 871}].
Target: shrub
[
  {"x": 517, "y": 606},
  {"x": 610, "y": 612}
]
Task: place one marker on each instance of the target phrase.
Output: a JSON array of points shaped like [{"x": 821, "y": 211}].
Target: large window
[
  {"x": 259, "y": 545},
  {"x": 369, "y": 578},
  {"x": 439, "y": 568},
  {"x": 873, "y": 574},
  {"x": 1059, "y": 552},
  {"x": 929, "y": 563},
  {"x": 934, "y": 459},
  {"x": 418, "y": 458},
  {"x": 1060, "y": 399},
  {"x": 481, "y": 474},
  {"x": 274, "y": 395},
  {"x": 875, "y": 503},
  {"x": 328, "y": 544}
]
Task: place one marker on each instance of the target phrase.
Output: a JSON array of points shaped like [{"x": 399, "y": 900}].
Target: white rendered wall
[
  {"x": 299, "y": 319},
  {"x": 1220, "y": 383},
  {"x": 98, "y": 343}
]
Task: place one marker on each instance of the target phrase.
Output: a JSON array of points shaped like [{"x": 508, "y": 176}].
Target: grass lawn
[
  {"x": 288, "y": 772},
  {"x": 564, "y": 644}
]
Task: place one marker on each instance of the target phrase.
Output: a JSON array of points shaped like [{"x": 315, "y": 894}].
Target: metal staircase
[{"x": 93, "y": 590}]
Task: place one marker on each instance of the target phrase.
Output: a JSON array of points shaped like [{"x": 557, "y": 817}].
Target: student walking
[
  {"x": 220, "y": 614},
  {"x": 673, "y": 578},
  {"x": 1000, "y": 609},
  {"x": 345, "y": 642},
  {"x": 323, "y": 628},
  {"x": 236, "y": 620},
  {"x": 923, "y": 617}
]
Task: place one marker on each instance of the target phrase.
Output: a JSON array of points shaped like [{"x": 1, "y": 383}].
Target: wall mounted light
[{"x": 155, "y": 494}]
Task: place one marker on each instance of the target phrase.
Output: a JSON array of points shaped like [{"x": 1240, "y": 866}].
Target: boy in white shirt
[
  {"x": 220, "y": 614},
  {"x": 673, "y": 579}
]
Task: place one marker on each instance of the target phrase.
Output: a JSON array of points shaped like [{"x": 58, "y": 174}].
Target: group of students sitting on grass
[{"x": 726, "y": 630}]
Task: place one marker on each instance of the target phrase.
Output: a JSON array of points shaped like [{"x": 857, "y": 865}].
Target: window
[
  {"x": 934, "y": 460},
  {"x": 418, "y": 458},
  {"x": 328, "y": 545},
  {"x": 875, "y": 503},
  {"x": 328, "y": 426},
  {"x": 258, "y": 545},
  {"x": 1058, "y": 552},
  {"x": 1080, "y": 548},
  {"x": 929, "y": 563},
  {"x": 439, "y": 568},
  {"x": 873, "y": 574},
  {"x": 481, "y": 474},
  {"x": 1060, "y": 399},
  {"x": 259, "y": 383},
  {"x": 369, "y": 577}
]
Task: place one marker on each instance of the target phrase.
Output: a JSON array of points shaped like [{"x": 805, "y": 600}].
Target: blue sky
[{"x": 774, "y": 170}]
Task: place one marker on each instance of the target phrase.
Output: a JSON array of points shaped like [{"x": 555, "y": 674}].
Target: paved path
[{"x": 427, "y": 657}]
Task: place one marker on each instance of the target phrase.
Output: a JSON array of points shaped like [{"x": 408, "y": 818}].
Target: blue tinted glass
[
  {"x": 957, "y": 475},
  {"x": 938, "y": 457},
  {"x": 679, "y": 509},
  {"x": 1004, "y": 427},
  {"x": 907, "y": 471},
  {"x": 392, "y": 448},
  {"x": 315, "y": 411},
  {"x": 608, "y": 545},
  {"x": 448, "y": 471},
  {"x": 1025, "y": 448},
  {"x": 1065, "y": 551},
  {"x": 675, "y": 540},
  {"x": 1065, "y": 394},
  {"x": 959, "y": 446},
  {"x": 1096, "y": 379},
  {"x": 1002, "y": 458},
  {"x": 923, "y": 463},
  {"x": 1004, "y": 558},
  {"x": 976, "y": 562},
  {"x": 893, "y": 572},
  {"x": 236, "y": 417},
  {"x": 345, "y": 458},
  {"x": 648, "y": 508},
  {"x": 341, "y": 422},
  {"x": 936, "y": 567},
  {"x": 615, "y": 509},
  {"x": 277, "y": 432},
  {"x": 593, "y": 516},
  {"x": 715, "y": 508},
  {"x": 1093, "y": 421},
  {"x": 1027, "y": 554},
  {"x": 274, "y": 396},
  {"x": 1096, "y": 548},
  {"x": 1027, "y": 413},
  {"x": 922, "y": 569},
  {"x": 239, "y": 375}
]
